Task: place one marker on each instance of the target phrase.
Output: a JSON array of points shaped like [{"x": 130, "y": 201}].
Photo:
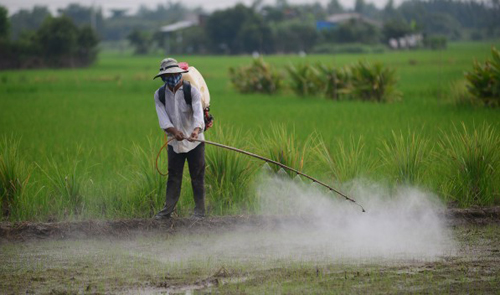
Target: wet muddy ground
[{"x": 146, "y": 257}]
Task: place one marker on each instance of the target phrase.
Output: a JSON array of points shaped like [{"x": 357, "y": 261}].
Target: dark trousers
[{"x": 196, "y": 164}]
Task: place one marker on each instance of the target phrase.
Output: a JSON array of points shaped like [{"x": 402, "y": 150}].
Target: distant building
[
  {"x": 407, "y": 41},
  {"x": 335, "y": 20},
  {"x": 118, "y": 13},
  {"x": 190, "y": 21},
  {"x": 178, "y": 27}
]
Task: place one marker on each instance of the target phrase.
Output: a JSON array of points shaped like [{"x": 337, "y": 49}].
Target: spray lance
[{"x": 266, "y": 160}]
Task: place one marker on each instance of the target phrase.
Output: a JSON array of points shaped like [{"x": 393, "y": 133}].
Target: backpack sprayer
[{"x": 195, "y": 78}]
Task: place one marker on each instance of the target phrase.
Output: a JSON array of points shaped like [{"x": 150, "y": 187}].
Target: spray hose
[
  {"x": 158, "y": 156},
  {"x": 266, "y": 160}
]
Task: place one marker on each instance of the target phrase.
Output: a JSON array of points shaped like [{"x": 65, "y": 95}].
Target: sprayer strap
[{"x": 186, "y": 88}]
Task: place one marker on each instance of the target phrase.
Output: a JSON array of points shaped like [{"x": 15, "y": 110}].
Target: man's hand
[
  {"x": 194, "y": 134},
  {"x": 176, "y": 133}
]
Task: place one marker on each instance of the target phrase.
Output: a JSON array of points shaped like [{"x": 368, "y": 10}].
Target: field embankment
[{"x": 132, "y": 228}]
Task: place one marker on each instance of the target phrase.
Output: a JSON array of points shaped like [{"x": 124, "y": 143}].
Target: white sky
[{"x": 132, "y": 5}]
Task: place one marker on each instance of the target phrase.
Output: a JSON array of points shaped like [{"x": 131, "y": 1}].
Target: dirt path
[{"x": 22, "y": 231}]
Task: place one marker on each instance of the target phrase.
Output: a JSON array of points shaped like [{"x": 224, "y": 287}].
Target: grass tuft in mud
[
  {"x": 67, "y": 179},
  {"x": 407, "y": 157},
  {"x": 228, "y": 174},
  {"x": 472, "y": 159},
  {"x": 344, "y": 161},
  {"x": 14, "y": 174},
  {"x": 283, "y": 146},
  {"x": 147, "y": 185}
]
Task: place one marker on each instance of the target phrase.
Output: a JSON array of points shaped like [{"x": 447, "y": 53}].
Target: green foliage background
[{"x": 98, "y": 117}]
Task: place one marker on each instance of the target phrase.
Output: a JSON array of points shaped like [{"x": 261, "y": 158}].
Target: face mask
[{"x": 172, "y": 80}]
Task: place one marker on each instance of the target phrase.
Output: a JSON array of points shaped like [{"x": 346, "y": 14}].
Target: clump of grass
[
  {"x": 67, "y": 184},
  {"x": 344, "y": 162},
  {"x": 407, "y": 157},
  {"x": 472, "y": 159},
  {"x": 228, "y": 173},
  {"x": 146, "y": 184},
  {"x": 283, "y": 147},
  {"x": 14, "y": 174},
  {"x": 259, "y": 77},
  {"x": 67, "y": 180},
  {"x": 374, "y": 82},
  {"x": 461, "y": 97}
]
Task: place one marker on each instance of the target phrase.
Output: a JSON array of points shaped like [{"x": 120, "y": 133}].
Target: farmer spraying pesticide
[
  {"x": 181, "y": 115},
  {"x": 182, "y": 105}
]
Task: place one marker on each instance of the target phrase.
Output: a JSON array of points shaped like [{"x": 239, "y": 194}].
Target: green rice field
[{"x": 86, "y": 139}]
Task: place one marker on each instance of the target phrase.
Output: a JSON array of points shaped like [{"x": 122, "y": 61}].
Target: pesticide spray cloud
[
  {"x": 310, "y": 224},
  {"x": 404, "y": 223}
]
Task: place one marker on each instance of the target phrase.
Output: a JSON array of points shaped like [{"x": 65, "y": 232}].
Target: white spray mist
[
  {"x": 405, "y": 223},
  {"x": 310, "y": 224}
]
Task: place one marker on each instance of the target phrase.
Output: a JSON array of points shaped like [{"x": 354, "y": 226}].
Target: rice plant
[
  {"x": 146, "y": 184},
  {"x": 284, "y": 147},
  {"x": 305, "y": 79},
  {"x": 67, "y": 181},
  {"x": 484, "y": 80},
  {"x": 344, "y": 162},
  {"x": 374, "y": 82},
  {"x": 461, "y": 97},
  {"x": 259, "y": 77},
  {"x": 407, "y": 157},
  {"x": 14, "y": 174},
  {"x": 228, "y": 173},
  {"x": 472, "y": 163}
]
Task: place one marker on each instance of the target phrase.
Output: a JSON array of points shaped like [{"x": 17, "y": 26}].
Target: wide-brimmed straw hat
[{"x": 169, "y": 66}]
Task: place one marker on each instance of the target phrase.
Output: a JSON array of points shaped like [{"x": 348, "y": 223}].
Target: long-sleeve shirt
[{"x": 185, "y": 118}]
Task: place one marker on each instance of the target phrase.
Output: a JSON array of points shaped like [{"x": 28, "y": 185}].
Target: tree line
[
  {"x": 279, "y": 28},
  {"x": 286, "y": 28},
  {"x": 55, "y": 42}
]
